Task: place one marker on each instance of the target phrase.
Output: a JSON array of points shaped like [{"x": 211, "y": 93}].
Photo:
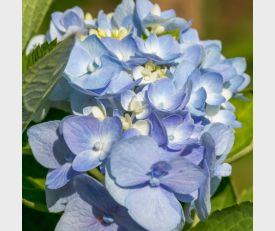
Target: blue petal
[
  {"x": 163, "y": 211},
  {"x": 181, "y": 74},
  {"x": 70, "y": 18},
  {"x": 78, "y": 61},
  {"x": 81, "y": 132},
  {"x": 223, "y": 170},
  {"x": 94, "y": 46},
  {"x": 215, "y": 99},
  {"x": 60, "y": 176},
  {"x": 57, "y": 199},
  {"x": 86, "y": 160},
  {"x": 46, "y": 144},
  {"x": 57, "y": 21},
  {"x": 212, "y": 82},
  {"x": 78, "y": 11},
  {"x": 130, "y": 133},
  {"x": 94, "y": 193},
  {"x": 121, "y": 49},
  {"x": 226, "y": 69},
  {"x": 97, "y": 196},
  {"x": 103, "y": 22},
  {"x": 209, "y": 155},
  {"x": 126, "y": 99},
  {"x": 143, "y": 8},
  {"x": 174, "y": 23},
  {"x": 226, "y": 117},
  {"x": 223, "y": 137},
  {"x": 193, "y": 54},
  {"x": 239, "y": 64},
  {"x": 120, "y": 83},
  {"x": 190, "y": 36},
  {"x": 193, "y": 152},
  {"x": 131, "y": 160},
  {"x": 203, "y": 203},
  {"x": 212, "y": 55},
  {"x": 246, "y": 81},
  {"x": 184, "y": 177},
  {"x": 80, "y": 215},
  {"x": 110, "y": 131},
  {"x": 97, "y": 80},
  {"x": 157, "y": 131},
  {"x": 123, "y": 14},
  {"x": 163, "y": 95},
  {"x": 80, "y": 100},
  {"x": 197, "y": 99},
  {"x": 187, "y": 198},
  {"x": 118, "y": 193}
]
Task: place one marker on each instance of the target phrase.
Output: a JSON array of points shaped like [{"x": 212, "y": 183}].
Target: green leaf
[
  {"x": 242, "y": 176},
  {"x": 41, "y": 77},
  {"x": 224, "y": 197},
  {"x": 39, "y": 52},
  {"x": 244, "y": 113},
  {"x": 33, "y": 184},
  {"x": 33, "y": 220},
  {"x": 34, "y": 12},
  {"x": 235, "y": 218}
]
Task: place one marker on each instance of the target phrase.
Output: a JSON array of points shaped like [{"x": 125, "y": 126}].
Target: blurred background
[{"x": 228, "y": 21}]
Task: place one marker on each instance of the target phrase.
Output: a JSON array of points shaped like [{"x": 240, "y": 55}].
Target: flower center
[
  {"x": 107, "y": 219},
  {"x": 158, "y": 170},
  {"x": 94, "y": 64},
  {"x": 171, "y": 137},
  {"x": 98, "y": 146},
  {"x": 152, "y": 72},
  {"x": 119, "y": 34}
]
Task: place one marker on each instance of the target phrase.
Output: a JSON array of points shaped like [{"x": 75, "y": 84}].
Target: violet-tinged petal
[
  {"x": 131, "y": 160},
  {"x": 81, "y": 132},
  {"x": 86, "y": 160},
  {"x": 203, "y": 203},
  {"x": 57, "y": 199},
  {"x": 46, "y": 144},
  {"x": 155, "y": 209},
  {"x": 157, "y": 130},
  {"x": 223, "y": 137},
  {"x": 181, "y": 74},
  {"x": 78, "y": 61},
  {"x": 184, "y": 177},
  {"x": 80, "y": 216},
  {"x": 60, "y": 176}
]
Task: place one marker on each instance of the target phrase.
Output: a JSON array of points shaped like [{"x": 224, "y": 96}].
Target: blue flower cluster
[{"x": 151, "y": 113}]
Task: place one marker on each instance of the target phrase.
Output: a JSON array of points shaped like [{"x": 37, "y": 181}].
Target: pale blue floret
[
  {"x": 161, "y": 50},
  {"x": 218, "y": 141},
  {"x": 62, "y": 24},
  {"x": 165, "y": 97},
  {"x": 50, "y": 150},
  {"x": 150, "y": 18},
  {"x": 136, "y": 103},
  {"x": 92, "y": 70},
  {"x": 151, "y": 176},
  {"x": 122, "y": 17},
  {"x": 90, "y": 139},
  {"x": 179, "y": 128},
  {"x": 94, "y": 209}
]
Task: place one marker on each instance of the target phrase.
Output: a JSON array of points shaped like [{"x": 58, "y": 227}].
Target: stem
[
  {"x": 244, "y": 152},
  {"x": 96, "y": 174},
  {"x": 26, "y": 151},
  {"x": 37, "y": 206}
]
